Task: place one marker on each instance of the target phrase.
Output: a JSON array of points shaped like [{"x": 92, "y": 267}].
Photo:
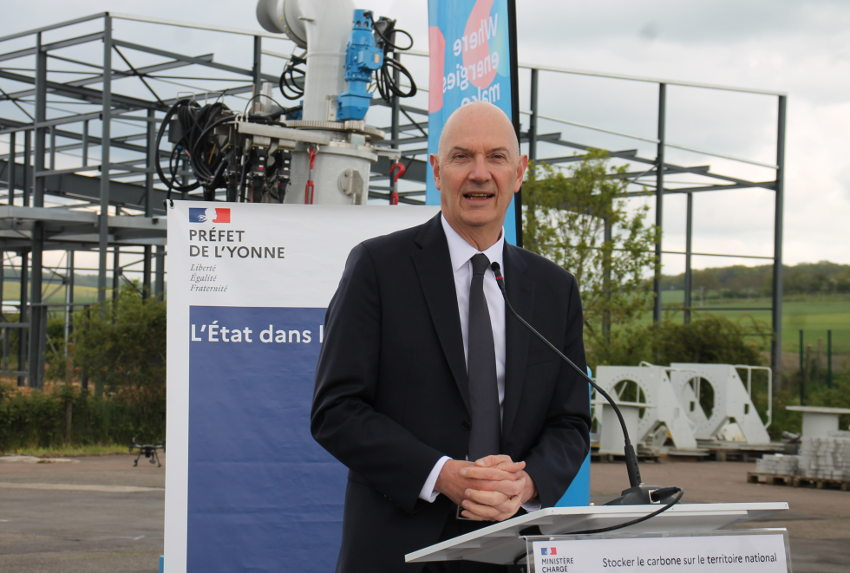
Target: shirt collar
[{"x": 460, "y": 251}]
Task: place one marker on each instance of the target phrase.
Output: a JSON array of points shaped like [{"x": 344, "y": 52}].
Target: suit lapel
[
  {"x": 520, "y": 292},
  {"x": 433, "y": 266}
]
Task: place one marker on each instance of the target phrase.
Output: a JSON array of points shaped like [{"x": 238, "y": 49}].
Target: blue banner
[
  {"x": 256, "y": 478},
  {"x": 470, "y": 60}
]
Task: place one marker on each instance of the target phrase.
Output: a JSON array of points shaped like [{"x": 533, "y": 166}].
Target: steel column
[
  {"x": 23, "y": 317},
  {"x": 148, "y": 201},
  {"x": 52, "y": 147},
  {"x": 257, "y": 69},
  {"x": 659, "y": 198},
  {"x": 776, "y": 355},
  {"x": 69, "y": 304},
  {"x": 606, "y": 281},
  {"x": 532, "y": 120},
  {"x": 159, "y": 286},
  {"x": 85, "y": 143},
  {"x": 103, "y": 223},
  {"x": 116, "y": 263},
  {"x": 689, "y": 273},
  {"x": 25, "y": 193},
  {"x": 4, "y": 331},
  {"x": 37, "y": 318},
  {"x": 11, "y": 173}
]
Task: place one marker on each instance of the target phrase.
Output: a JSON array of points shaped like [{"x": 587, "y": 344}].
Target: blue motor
[{"x": 362, "y": 57}]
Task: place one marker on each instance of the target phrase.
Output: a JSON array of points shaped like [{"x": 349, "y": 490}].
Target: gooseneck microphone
[{"x": 637, "y": 493}]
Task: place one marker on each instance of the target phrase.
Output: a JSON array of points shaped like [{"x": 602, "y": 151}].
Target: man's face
[{"x": 478, "y": 170}]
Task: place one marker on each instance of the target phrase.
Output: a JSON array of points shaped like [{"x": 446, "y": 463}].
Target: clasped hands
[{"x": 490, "y": 489}]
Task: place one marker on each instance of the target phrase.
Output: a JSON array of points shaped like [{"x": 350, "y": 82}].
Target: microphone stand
[{"x": 637, "y": 493}]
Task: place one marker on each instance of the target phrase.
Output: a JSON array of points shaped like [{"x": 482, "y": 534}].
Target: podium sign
[
  {"x": 502, "y": 542},
  {"x": 744, "y": 551}
]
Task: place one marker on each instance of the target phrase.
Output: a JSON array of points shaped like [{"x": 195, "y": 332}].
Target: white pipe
[
  {"x": 328, "y": 26},
  {"x": 323, "y": 27}
]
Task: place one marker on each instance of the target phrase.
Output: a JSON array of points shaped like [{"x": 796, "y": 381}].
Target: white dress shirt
[{"x": 460, "y": 253}]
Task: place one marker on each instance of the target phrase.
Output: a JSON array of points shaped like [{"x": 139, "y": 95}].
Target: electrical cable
[
  {"x": 385, "y": 35},
  {"x": 386, "y": 83},
  {"x": 290, "y": 77},
  {"x": 677, "y": 493},
  {"x": 393, "y": 47},
  {"x": 170, "y": 181},
  {"x": 192, "y": 128}
]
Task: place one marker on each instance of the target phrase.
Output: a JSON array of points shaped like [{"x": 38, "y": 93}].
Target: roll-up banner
[
  {"x": 247, "y": 488},
  {"x": 470, "y": 60}
]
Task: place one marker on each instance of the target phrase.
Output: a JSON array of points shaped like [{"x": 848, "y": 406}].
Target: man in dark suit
[{"x": 392, "y": 398}]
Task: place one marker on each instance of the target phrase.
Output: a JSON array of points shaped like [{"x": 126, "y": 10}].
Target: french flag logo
[
  {"x": 204, "y": 215},
  {"x": 548, "y": 551}
]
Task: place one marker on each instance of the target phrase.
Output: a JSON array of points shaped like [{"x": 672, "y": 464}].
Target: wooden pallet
[
  {"x": 823, "y": 483},
  {"x": 797, "y": 481},
  {"x": 770, "y": 479}
]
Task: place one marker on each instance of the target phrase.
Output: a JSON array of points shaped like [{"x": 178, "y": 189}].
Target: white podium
[
  {"x": 503, "y": 542},
  {"x": 819, "y": 421}
]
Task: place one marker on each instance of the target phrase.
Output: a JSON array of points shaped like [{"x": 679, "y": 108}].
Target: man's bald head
[{"x": 479, "y": 111}]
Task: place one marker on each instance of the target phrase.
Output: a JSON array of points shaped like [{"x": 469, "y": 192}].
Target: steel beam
[
  {"x": 145, "y": 70},
  {"x": 769, "y": 185},
  {"x": 247, "y": 72},
  {"x": 51, "y": 46},
  {"x": 56, "y": 26},
  {"x": 129, "y": 195},
  {"x": 92, "y": 96}
]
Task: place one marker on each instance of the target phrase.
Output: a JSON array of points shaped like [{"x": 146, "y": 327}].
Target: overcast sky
[{"x": 801, "y": 48}]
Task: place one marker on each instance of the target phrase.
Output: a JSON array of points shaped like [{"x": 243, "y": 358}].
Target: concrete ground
[
  {"x": 86, "y": 515},
  {"x": 818, "y": 521},
  {"x": 102, "y": 515}
]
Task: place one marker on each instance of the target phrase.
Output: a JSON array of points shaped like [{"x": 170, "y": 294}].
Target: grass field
[
  {"x": 814, "y": 316},
  {"x": 52, "y": 293}
]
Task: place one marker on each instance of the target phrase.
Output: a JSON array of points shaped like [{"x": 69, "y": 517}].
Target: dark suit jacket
[{"x": 391, "y": 388}]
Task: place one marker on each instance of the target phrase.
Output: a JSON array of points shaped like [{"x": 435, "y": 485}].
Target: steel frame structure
[{"x": 79, "y": 109}]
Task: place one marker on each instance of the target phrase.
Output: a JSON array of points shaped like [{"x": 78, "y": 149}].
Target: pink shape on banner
[
  {"x": 437, "y": 50},
  {"x": 477, "y": 26}
]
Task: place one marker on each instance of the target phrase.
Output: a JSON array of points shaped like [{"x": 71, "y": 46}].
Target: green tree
[
  {"x": 579, "y": 218},
  {"x": 121, "y": 347},
  {"x": 122, "y": 344}
]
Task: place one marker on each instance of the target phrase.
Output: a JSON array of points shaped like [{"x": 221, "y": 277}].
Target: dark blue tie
[{"x": 481, "y": 366}]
